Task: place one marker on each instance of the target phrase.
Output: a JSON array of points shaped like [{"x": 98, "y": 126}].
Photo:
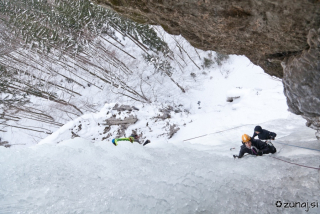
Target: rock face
[
  {"x": 266, "y": 31},
  {"x": 301, "y": 82}
]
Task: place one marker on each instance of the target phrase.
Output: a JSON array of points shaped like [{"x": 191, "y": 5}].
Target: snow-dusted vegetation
[{"x": 55, "y": 55}]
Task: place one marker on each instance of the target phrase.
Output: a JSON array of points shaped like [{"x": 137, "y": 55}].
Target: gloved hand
[
  {"x": 260, "y": 153},
  {"x": 131, "y": 139},
  {"x": 235, "y": 156}
]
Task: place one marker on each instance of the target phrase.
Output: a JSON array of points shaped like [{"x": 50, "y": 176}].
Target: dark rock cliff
[
  {"x": 301, "y": 82},
  {"x": 268, "y": 32}
]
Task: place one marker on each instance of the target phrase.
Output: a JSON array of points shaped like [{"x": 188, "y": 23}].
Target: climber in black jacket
[
  {"x": 254, "y": 147},
  {"x": 263, "y": 134}
]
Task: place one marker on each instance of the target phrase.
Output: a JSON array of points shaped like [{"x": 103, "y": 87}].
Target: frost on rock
[
  {"x": 115, "y": 120},
  {"x": 172, "y": 130},
  {"x": 124, "y": 108},
  {"x": 5, "y": 144},
  {"x": 113, "y": 123}
]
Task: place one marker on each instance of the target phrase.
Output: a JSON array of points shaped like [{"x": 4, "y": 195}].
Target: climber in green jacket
[{"x": 133, "y": 138}]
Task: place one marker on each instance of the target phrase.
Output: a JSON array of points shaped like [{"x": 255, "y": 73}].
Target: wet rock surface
[{"x": 301, "y": 82}]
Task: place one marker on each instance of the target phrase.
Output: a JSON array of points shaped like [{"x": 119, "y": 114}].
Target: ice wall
[{"x": 77, "y": 176}]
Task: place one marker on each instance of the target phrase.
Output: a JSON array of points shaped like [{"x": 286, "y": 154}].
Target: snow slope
[
  {"x": 173, "y": 176},
  {"x": 64, "y": 175},
  {"x": 77, "y": 176}
]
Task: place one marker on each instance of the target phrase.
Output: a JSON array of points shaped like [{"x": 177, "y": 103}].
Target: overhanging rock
[{"x": 301, "y": 82}]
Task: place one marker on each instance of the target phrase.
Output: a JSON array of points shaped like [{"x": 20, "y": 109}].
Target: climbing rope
[
  {"x": 310, "y": 167},
  {"x": 297, "y": 164},
  {"x": 298, "y": 146},
  {"x": 221, "y": 131},
  {"x": 225, "y": 130},
  {"x": 275, "y": 142},
  {"x": 250, "y": 125}
]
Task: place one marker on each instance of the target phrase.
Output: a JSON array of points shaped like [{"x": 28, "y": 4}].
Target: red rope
[
  {"x": 296, "y": 164},
  {"x": 195, "y": 137},
  {"x": 223, "y": 131}
]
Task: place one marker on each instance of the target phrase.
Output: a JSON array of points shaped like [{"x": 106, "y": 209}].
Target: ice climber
[
  {"x": 133, "y": 138},
  {"x": 254, "y": 147},
  {"x": 263, "y": 134}
]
